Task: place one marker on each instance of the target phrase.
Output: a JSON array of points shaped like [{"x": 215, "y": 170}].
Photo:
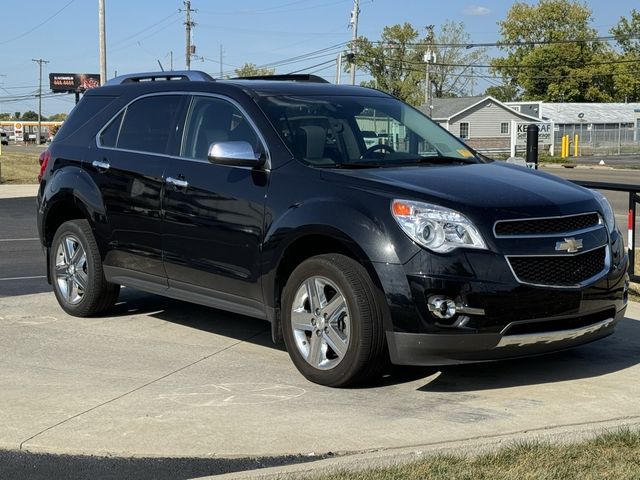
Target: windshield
[{"x": 348, "y": 131}]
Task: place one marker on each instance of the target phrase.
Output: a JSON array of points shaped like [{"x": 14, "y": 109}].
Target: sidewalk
[
  {"x": 17, "y": 191},
  {"x": 161, "y": 378}
]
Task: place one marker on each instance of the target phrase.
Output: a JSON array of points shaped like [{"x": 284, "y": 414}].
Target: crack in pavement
[{"x": 95, "y": 407}]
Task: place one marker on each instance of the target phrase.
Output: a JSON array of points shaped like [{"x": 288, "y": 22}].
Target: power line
[
  {"x": 276, "y": 9},
  {"x": 523, "y": 43},
  {"x": 414, "y": 67},
  {"x": 543, "y": 65},
  {"x": 38, "y": 25},
  {"x": 312, "y": 66}
]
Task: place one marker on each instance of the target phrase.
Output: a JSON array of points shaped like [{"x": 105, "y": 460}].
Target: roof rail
[
  {"x": 188, "y": 75},
  {"x": 306, "y": 77}
]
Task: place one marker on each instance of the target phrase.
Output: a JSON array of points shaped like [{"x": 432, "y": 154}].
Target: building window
[
  {"x": 464, "y": 130},
  {"x": 504, "y": 128}
]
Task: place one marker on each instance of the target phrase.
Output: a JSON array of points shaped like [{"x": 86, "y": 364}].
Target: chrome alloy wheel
[
  {"x": 71, "y": 269},
  {"x": 321, "y": 323}
]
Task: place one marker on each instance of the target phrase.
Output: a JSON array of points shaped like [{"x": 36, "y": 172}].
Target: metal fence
[
  {"x": 634, "y": 200},
  {"x": 603, "y": 139}
]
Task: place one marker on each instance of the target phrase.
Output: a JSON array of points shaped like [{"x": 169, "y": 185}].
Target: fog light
[{"x": 442, "y": 307}]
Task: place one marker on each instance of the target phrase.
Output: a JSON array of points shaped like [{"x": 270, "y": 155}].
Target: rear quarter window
[{"x": 88, "y": 107}]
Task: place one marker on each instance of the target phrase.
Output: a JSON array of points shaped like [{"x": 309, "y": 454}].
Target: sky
[{"x": 141, "y": 33}]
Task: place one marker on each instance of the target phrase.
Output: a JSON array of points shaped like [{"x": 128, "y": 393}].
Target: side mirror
[{"x": 239, "y": 154}]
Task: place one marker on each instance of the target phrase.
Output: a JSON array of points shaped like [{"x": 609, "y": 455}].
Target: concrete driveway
[{"x": 164, "y": 378}]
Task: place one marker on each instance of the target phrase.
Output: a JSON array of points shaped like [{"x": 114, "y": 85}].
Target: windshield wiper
[
  {"x": 353, "y": 165},
  {"x": 446, "y": 159}
]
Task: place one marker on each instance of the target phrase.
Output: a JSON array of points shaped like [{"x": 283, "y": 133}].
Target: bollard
[
  {"x": 576, "y": 146},
  {"x": 532, "y": 146}
]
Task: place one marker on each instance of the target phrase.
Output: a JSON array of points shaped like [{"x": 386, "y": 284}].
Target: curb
[{"x": 469, "y": 447}]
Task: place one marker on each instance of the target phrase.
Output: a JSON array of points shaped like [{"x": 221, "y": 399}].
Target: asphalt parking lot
[{"x": 165, "y": 389}]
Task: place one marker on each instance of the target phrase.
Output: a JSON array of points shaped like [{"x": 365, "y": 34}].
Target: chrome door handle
[
  {"x": 177, "y": 183},
  {"x": 102, "y": 166}
]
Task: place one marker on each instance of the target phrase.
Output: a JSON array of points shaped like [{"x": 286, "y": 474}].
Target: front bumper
[
  {"x": 447, "y": 349},
  {"x": 513, "y": 319}
]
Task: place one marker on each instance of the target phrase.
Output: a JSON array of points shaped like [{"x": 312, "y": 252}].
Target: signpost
[
  {"x": 519, "y": 134},
  {"x": 73, "y": 82}
]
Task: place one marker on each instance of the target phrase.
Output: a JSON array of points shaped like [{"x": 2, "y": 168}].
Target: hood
[{"x": 485, "y": 191}]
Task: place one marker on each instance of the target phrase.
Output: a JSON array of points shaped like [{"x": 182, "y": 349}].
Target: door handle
[
  {"x": 101, "y": 166},
  {"x": 177, "y": 183}
]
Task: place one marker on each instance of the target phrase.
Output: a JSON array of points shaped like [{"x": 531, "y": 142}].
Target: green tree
[
  {"x": 5, "y": 116},
  {"x": 394, "y": 62},
  {"x": 505, "y": 92},
  {"x": 252, "y": 70},
  {"x": 627, "y": 72},
  {"x": 58, "y": 117},
  {"x": 538, "y": 62},
  {"x": 30, "y": 116},
  {"x": 16, "y": 116},
  {"x": 453, "y": 69}
]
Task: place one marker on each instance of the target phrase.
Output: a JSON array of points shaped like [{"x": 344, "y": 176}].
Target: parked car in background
[{"x": 4, "y": 138}]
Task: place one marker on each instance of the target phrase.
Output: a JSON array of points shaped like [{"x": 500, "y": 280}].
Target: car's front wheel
[
  {"x": 332, "y": 321},
  {"x": 76, "y": 271}
]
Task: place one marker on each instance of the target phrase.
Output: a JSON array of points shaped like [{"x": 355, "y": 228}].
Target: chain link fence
[{"x": 602, "y": 139}]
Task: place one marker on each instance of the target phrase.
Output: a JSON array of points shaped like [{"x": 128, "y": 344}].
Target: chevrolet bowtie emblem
[{"x": 570, "y": 245}]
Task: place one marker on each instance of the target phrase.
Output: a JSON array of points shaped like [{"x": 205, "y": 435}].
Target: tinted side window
[
  {"x": 211, "y": 120},
  {"x": 89, "y": 106},
  {"x": 109, "y": 136},
  {"x": 149, "y": 124}
]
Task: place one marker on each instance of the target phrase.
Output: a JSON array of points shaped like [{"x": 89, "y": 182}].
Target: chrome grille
[
  {"x": 546, "y": 226},
  {"x": 559, "y": 270}
]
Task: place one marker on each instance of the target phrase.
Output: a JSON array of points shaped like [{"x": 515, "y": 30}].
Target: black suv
[{"x": 261, "y": 197}]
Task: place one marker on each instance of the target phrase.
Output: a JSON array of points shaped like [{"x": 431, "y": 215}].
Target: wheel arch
[{"x": 307, "y": 243}]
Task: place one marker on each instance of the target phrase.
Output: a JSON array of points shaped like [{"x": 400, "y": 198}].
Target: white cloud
[{"x": 476, "y": 11}]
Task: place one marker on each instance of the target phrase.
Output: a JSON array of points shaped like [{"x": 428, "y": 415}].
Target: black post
[
  {"x": 631, "y": 239},
  {"x": 532, "y": 145}
]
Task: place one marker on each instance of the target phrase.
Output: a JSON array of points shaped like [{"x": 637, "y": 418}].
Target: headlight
[
  {"x": 607, "y": 211},
  {"x": 436, "y": 228}
]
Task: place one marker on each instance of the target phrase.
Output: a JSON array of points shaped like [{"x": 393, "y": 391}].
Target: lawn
[
  {"x": 19, "y": 167},
  {"x": 609, "y": 456}
]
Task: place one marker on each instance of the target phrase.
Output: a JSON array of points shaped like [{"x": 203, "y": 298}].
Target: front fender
[{"x": 361, "y": 234}]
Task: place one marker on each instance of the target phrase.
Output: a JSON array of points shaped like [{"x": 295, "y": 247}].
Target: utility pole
[
  {"x": 189, "y": 25},
  {"x": 221, "y": 56},
  {"x": 429, "y": 58},
  {"x": 171, "y": 60},
  {"x": 354, "y": 25},
  {"x": 40, "y": 61},
  {"x": 339, "y": 69},
  {"x": 102, "y": 42}
]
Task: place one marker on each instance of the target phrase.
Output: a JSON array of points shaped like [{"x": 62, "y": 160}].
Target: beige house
[{"x": 483, "y": 122}]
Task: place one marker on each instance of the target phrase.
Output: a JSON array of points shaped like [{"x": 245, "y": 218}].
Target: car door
[
  {"x": 128, "y": 166},
  {"x": 214, "y": 214}
]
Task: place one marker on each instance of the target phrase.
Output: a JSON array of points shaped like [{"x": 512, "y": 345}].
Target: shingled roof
[{"x": 446, "y": 108}]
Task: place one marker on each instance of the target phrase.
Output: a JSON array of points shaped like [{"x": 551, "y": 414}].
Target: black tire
[
  {"x": 366, "y": 353},
  {"x": 99, "y": 295}
]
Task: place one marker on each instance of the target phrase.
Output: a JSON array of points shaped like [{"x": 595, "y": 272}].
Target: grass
[
  {"x": 609, "y": 456},
  {"x": 19, "y": 167},
  {"x": 559, "y": 160}
]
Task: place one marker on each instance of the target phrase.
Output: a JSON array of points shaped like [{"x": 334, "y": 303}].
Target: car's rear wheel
[
  {"x": 332, "y": 321},
  {"x": 76, "y": 271}
]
